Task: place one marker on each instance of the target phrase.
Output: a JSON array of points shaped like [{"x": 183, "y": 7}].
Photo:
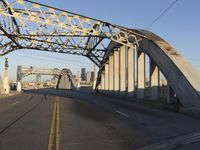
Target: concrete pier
[
  {"x": 111, "y": 74},
  {"x": 106, "y": 77},
  {"x": 95, "y": 77},
  {"x": 141, "y": 74},
  {"x": 116, "y": 72},
  {"x": 131, "y": 71},
  {"x": 122, "y": 70},
  {"x": 103, "y": 81}
]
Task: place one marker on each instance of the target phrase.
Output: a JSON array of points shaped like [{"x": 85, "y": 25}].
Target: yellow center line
[
  {"x": 55, "y": 126},
  {"x": 58, "y": 126},
  {"x": 52, "y": 130}
]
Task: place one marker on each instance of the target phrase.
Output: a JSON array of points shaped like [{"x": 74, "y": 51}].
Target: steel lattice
[{"x": 29, "y": 25}]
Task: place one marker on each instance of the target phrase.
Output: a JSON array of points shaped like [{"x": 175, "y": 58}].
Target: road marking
[
  {"x": 95, "y": 101},
  {"x": 53, "y": 124},
  {"x": 121, "y": 113},
  {"x": 21, "y": 101},
  {"x": 14, "y": 103},
  {"x": 58, "y": 125}
]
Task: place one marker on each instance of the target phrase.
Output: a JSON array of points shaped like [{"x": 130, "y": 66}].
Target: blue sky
[{"x": 180, "y": 26}]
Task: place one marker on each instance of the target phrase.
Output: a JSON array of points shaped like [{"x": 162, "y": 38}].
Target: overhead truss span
[{"x": 25, "y": 24}]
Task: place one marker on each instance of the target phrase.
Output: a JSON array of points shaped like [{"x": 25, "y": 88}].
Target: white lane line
[
  {"x": 95, "y": 101},
  {"x": 14, "y": 103},
  {"x": 121, "y": 113}
]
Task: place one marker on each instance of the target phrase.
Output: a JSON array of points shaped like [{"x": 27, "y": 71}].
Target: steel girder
[{"x": 25, "y": 24}]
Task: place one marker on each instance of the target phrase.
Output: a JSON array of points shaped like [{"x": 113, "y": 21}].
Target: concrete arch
[
  {"x": 181, "y": 75},
  {"x": 70, "y": 76}
]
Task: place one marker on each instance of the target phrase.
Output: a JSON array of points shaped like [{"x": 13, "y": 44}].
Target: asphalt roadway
[{"x": 51, "y": 119}]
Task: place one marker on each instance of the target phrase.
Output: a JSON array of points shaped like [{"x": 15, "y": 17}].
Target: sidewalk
[{"x": 12, "y": 93}]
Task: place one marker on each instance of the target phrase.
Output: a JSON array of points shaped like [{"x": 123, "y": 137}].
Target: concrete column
[
  {"x": 154, "y": 81},
  {"x": 141, "y": 74},
  {"x": 122, "y": 69},
  {"x": 170, "y": 94},
  {"x": 131, "y": 71},
  {"x": 55, "y": 83},
  {"x": 19, "y": 75},
  {"x": 2, "y": 90},
  {"x": 19, "y": 86},
  {"x": 111, "y": 73},
  {"x": 106, "y": 77},
  {"x": 67, "y": 86},
  {"x": 68, "y": 82},
  {"x": 6, "y": 80},
  {"x": 116, "y": 72},
  {"x": 95, "y": 76},
  {"x": 102, "y": 81}
]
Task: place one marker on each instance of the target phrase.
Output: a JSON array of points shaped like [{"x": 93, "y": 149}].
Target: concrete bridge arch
[
  {"x": 82, "y": 35},
  {"x": 180, "y": 74}
]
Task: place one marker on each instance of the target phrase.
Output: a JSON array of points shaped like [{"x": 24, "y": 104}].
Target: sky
[{"x": 180, "y": 26}]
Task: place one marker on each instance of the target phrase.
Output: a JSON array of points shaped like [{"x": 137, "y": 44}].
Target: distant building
[
  {"x": 88, "y": 77},
  {"x": 83, "y": 74}
]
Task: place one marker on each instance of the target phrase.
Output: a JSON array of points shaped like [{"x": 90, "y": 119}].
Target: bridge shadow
[
  {"x": 117, "y": 98},
  {"x": 77, "y": 105},
  {"x": 49, "y": 92}
]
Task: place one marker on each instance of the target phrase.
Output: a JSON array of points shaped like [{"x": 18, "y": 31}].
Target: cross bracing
[{"x": 29, "y": 25}]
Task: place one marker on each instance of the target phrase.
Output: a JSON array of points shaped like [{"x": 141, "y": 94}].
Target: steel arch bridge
[
  {"x": 25, "y": 24},
  {"x": 22, "y": 72}
]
